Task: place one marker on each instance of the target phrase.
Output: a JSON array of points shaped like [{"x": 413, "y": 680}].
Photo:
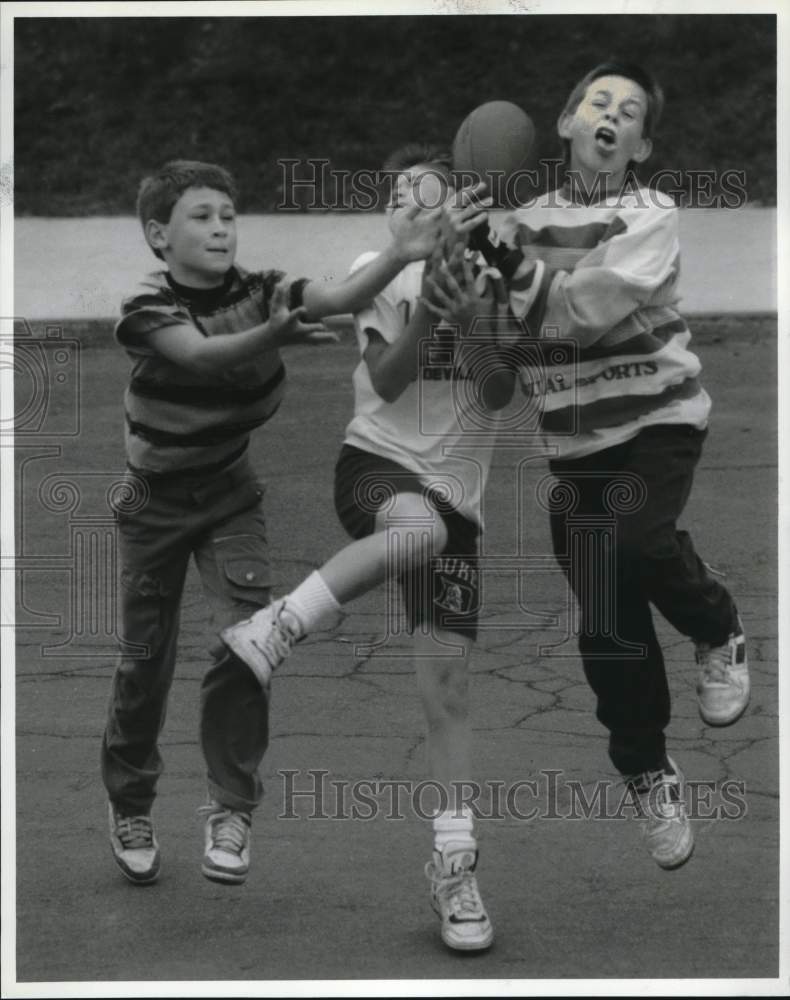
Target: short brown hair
[
  {"x": 631, "y": 71},
  {"x": 415, "y": 153},
  {"x": 159, "y": 192}
]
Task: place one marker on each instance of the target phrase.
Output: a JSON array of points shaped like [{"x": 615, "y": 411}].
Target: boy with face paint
[{"x": 596, "y": 263}]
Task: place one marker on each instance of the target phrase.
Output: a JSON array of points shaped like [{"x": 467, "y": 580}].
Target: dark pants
[
  {"x": 220, "y": 522},
  {"x": 614, "y": 533}
]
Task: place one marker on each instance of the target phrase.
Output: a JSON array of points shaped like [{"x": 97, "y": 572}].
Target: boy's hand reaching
[
  {"x": 454, "y": 296},
  {"x": 286, "y": 325},
  {"x": 431, "y": 272},
  {"x": 416, "y": 231},
  {"x": 462, "y": 212}
]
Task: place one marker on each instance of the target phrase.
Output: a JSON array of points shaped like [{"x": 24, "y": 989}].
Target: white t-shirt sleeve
[{"x": 382, "y": 315}]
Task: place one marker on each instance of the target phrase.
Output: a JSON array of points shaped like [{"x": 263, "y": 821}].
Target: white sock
[
  {"x": 453, "y": 826},
  {"x": 314, "y": 604}
]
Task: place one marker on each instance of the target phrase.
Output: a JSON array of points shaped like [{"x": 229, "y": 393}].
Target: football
[{"x": 495, "y": 138}]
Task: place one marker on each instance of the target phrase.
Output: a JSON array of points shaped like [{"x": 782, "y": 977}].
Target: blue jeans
[
  {"x": 634, "y": 494},
  {"x": 218, "y": 520}
]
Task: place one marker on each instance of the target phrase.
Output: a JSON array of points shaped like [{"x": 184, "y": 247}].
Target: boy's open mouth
[{"x": 605, "y": 136}]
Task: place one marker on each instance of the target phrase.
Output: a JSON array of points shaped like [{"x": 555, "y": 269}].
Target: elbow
[
  {"x": 387, "y": 393},
  {"x": 583, "y": 326},
  {"x": 584, "y": 334},
  {"x": 386, "y": 389}
]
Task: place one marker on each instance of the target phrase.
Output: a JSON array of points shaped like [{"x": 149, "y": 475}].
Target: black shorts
[{"x": 446, "y": 592}]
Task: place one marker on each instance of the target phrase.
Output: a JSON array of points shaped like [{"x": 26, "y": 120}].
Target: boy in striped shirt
[
  {"x": 204, "y": 336},
  {"x": 597, "y": 262}
]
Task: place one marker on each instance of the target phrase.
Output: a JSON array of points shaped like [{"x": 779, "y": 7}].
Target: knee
[
  {"x": 218, "y": 651},
  {"x": 413, "y": 526},
  {"x": 139, "y": 695},
  {"x": 635, "y": 552}
]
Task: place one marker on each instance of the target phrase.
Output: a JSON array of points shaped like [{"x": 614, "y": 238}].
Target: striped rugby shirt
[
  {"x": 177, "y": 419},
  {"x": 604, "y": 276}
]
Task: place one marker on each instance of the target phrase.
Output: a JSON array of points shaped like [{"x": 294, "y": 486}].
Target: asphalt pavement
[{"x": 576, "y": 903}]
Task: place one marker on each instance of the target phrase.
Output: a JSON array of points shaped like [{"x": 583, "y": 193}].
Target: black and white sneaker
[
  {"x": 265, "y": 640},
  {"x": 456, "y": 898},
  {"x": 660, "y": 796},
  {"x": 134, "y": 846},
  {"x": 227, "y": 845},
  {"x": 723, "y": 686}
]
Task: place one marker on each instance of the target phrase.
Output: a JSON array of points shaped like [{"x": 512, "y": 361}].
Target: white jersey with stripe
[
  {"x": 604, "y": 276},
  {"x": 434, "y": 428}
]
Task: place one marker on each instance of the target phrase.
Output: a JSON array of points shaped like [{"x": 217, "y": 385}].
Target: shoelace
[
  {"x": 461, "y": 888},
  {"x": 715, "y": 662},
  {"x": 135, "y": 832},
  {"x": 278, "y": 643},
  {"x": 662, "y": 792},
  {"x": 229, "y": 833}
]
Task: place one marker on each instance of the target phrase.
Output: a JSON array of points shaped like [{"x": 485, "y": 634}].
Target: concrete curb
[
  {"x": 83, "y": 268},
  {"x": 705, "y": 328}
]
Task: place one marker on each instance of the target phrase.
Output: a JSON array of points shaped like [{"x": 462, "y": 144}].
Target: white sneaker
[
  {"x": 227, "y": 852},
  {"x": 723, "y": 685},
  {"x": 660, "y": 795},
  {"x": 456, "y": 898},
  {"x": 265, "y": 640},
  {"x": 134, "y": 846}
]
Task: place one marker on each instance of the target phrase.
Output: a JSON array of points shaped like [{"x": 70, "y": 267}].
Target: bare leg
[
  {"x": 410, "y": 541},
  {"x": 443, "y": 683}
]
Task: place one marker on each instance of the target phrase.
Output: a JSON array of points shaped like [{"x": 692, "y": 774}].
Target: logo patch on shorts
[{"x": 453, "y": 596}]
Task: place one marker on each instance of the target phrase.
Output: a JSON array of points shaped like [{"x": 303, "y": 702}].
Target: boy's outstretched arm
[
  {"x": 622, "y": 273},
  {"x": 188, "y": 347},
  {"x": 393, "y": 365},
  {"x": 634, "y": 267},
  {"x": 416, "y": 233}
]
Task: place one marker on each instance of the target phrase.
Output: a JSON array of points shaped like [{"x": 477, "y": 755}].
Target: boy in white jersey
[
  {"x": 411, "y": 500},
  {"x": 597, "y": 263},
  {"x": 204, "y": 335}
]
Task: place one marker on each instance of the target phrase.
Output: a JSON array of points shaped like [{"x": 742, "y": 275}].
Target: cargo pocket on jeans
[{"x": 245, "y": 569}]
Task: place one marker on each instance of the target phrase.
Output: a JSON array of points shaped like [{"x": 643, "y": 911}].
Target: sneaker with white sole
[
  {"x": 723, "y": 686},
  {"x": 227, "y": 849},
  {"x": 660, "y": 796},
  {"x": 456, "y": 898},
  {"x": 134, "y": 846},
  {"x": 265, "y": 640}
]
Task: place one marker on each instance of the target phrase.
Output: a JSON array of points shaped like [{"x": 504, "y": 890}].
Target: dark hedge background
[{"x": 100, "y": 101}]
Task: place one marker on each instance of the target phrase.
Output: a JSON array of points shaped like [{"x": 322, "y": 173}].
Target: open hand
[
  {"x": 416, "y": 231},
  {"x": 454, "y": 295},
  {"x": 287, "y": 326},
  {"x": 462, "y": 212}
]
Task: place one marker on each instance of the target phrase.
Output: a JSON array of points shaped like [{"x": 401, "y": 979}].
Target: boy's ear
[
  {"x": 564, "y": 125},
  {"x": 155, "y": 234},
  {"x": 643, "y": 151}
]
